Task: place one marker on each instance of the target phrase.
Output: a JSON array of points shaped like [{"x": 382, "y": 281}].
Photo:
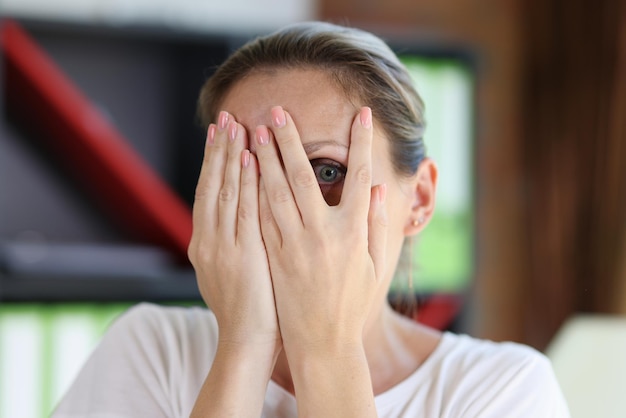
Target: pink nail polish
[
  {"x": 366, "y": 117},
  {"x": 278, "y": 117},
  {"x": 382, "y": 193},
  {"x": 262, "y": 135},
  {"x": 232, "y": 131},
  {"x": 210, "y": 135},
  {"x": 222, "y": 120},
  {"x": 245, "y": 158}
]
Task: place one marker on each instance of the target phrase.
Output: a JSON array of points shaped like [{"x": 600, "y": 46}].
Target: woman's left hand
[{"x": 326, "y": 262}]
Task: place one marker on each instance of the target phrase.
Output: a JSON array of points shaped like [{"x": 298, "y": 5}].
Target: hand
[
  {"x": 226, "y": 247},
  {"x": 326, "y": 261}
]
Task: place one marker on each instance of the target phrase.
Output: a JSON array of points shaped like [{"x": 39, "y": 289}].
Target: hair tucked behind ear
[{"x": 362, "y": 65}]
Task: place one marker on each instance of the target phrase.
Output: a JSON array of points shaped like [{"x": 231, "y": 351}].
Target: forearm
[
  {"x": 333, "y": 382},
  {"x": 237, "y": 382}
]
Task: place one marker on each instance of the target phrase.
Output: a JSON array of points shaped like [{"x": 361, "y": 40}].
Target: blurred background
[{"x": 100, "y": 150}]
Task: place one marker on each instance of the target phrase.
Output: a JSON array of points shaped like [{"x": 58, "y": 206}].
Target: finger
[
  {"x": 248, "y": 226},
  {"x": 269, "y": 229},
  {"x": 280, "y": 197},
  {"x": 357, "y": 186},
  {"x": 300, "y": 175},
  {"x": 202, "y": 213},
  {"x": 228, "y": 198},
  {"x": 377, "y": 235},
  {"x": 211, "y": 177}
]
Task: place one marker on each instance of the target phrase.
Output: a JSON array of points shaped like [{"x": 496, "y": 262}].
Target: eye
[
  {"x": 330, "y": 175},
  {"x": 328, "y": 171}
]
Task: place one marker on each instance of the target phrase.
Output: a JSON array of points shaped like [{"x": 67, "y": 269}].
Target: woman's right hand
[
  {"x": 232, "y": 270},
  {"x": 226, "y": 248}
]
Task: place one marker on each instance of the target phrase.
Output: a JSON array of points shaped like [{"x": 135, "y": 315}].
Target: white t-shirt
[{"x": 153, "y": 361}]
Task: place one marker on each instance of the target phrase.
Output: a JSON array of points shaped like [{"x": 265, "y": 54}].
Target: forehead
[{"x": 318, "y": 106}]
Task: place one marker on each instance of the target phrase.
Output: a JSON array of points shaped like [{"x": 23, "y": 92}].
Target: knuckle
[
  {"x": 245, "y": 213},
  {"x": 208, "y": 155},
  {"x": 227, "y": 193},
  {"x": 281, "y": 195},
  {"x": 201, "y": 193},
  {"x": 286, "y": 138},
  {"x": 381, "y": 221},
  {"x": 304, "y": 178},
  {"x": 191, "y": 252},
  {"x": 364, "y": 175},
  {"x": 266, "y": 217},
  {"x": 219, "y": 146},
  {"x": 204, "y": 256},
  {"x": 198, "y": 254}
]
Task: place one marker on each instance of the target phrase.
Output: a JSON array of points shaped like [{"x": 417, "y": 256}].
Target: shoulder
[
  {"x": 471, "y": 353},
  {"x": 147, "y": 318},
  {"x": 165, "y": 332},
  {"x": 149, "y": 312},
  {"x": 151, "y": 362},
  {"x": 491, "y": 379}
]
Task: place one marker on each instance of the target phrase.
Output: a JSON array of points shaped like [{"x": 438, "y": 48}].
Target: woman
[{"x": 314, "y": 173}]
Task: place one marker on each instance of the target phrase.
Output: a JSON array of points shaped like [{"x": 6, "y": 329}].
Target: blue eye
[
  {"x": 328, "y": 171},
  {"x": 330, "y": 176}
]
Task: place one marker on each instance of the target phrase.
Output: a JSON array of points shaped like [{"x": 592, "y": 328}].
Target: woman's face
[{"x": 323, "y": 116}]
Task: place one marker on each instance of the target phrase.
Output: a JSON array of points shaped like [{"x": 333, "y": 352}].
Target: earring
[{"x": 418, "y": 221}]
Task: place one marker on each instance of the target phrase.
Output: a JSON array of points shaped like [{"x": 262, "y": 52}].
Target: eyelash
[{"x": 319, "y": 163}]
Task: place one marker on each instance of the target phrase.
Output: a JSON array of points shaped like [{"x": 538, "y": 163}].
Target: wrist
[
  {"x": 254, "y": 348},
  {"x": 256, "y": 360},
  {"x": 238, "y": 370},
  {"x": 324, "y": 352},
  {"x": 332, "y": 374}
]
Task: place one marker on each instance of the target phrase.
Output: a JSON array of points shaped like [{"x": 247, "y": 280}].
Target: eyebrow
[{"x": 315, "y": 146}]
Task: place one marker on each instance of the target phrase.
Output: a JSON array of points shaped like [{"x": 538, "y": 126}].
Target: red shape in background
[
  {"x": 438, "y": 311},
  {"x": 96, "y": 154}
]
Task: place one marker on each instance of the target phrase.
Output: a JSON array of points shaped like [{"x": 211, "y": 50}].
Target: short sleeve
[
  {"x": 145, "y": 366},
  {"x": 522, "y": 385}
]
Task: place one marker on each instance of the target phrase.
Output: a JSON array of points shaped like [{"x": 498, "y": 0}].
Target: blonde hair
[{"x": 362, "y": 65}]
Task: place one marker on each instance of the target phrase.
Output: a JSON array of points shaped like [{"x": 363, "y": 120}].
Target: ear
[{"x": 424, "y": 186}]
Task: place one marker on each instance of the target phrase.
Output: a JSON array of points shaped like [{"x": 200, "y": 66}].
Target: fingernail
[
  {"x": 262, "y": 135},
  {"x": 210, "y": 134},
  {"x": 366, "y": 117},
  {"x": 222, "y": 120},
  {"x": 232, "y": 131},
  {"x": 382, "y": 193},
  {"x": 245, "y": 158},
  {"x": 278, "y": 117}
]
